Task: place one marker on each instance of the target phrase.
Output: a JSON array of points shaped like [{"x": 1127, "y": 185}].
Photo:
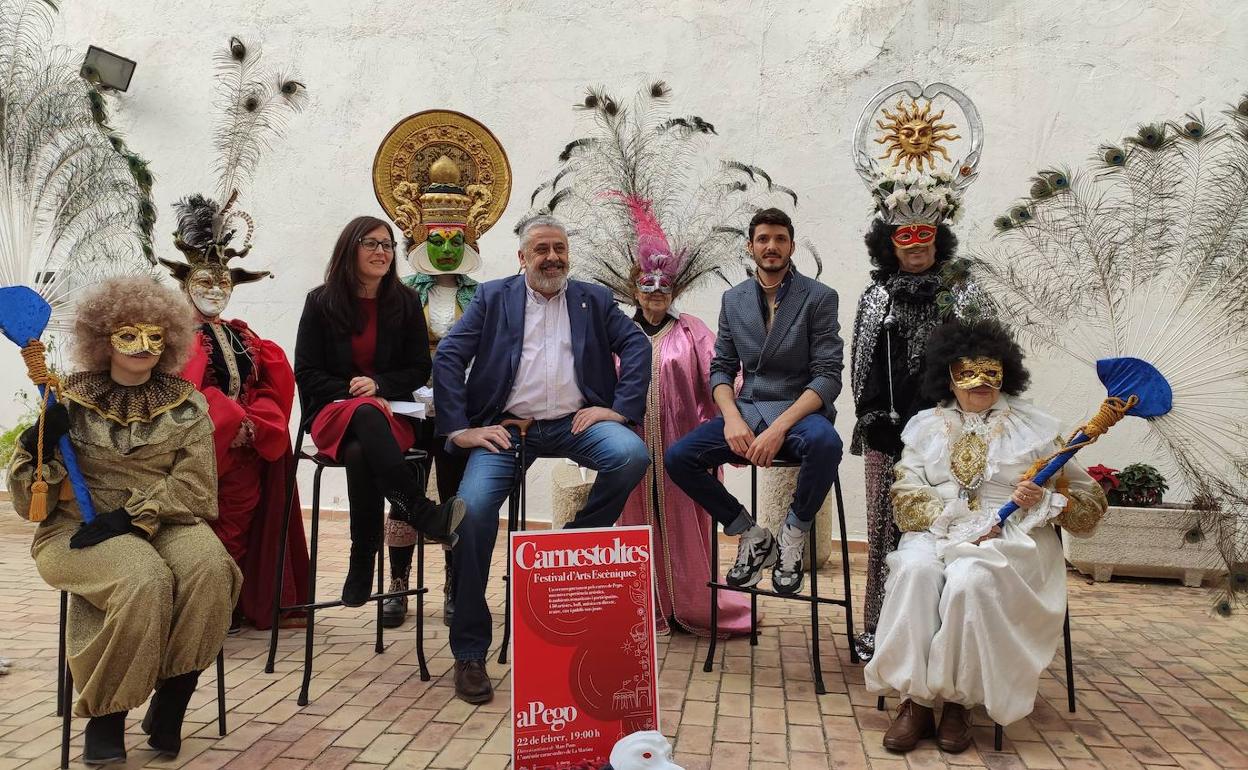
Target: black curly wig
[
  {"x": 879, "y": 240},
  {"x": 967, "y": 339}
]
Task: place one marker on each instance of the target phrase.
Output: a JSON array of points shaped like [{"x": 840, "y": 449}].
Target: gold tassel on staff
[{"x": 33, "y": 353}]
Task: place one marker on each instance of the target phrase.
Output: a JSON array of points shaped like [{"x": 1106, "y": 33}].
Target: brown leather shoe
[
  {"x": 472, "y": 683},
  {"x": 954, "y": 733},
  {"x": 912, "y": 724}
]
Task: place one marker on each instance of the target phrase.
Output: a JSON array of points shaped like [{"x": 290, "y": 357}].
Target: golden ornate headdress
[
  {"x": 922, "y": 184},
  {"x": 442, "y": 168}
]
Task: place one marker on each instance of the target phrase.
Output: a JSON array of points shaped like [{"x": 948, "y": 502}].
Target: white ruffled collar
[{"x": 1015, "y": 431}]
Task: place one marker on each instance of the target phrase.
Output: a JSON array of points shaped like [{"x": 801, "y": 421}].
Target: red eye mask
[{"x": 914, "y": 235}]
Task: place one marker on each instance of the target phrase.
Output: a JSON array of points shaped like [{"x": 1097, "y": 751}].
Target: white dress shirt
[{"x": 545, "y": 386}]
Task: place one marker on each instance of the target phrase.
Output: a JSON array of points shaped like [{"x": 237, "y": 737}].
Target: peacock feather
[
  {"x": 75, "y": 201},
  {"x": 256, "y": 107},
  {"x": 1144, "y": 254},
  {"x": 637, "y": 150}
]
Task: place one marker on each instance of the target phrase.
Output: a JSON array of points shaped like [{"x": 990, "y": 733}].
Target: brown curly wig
[
  {"x": 968, "y": 339},
  {"x": 879, "y": 240},
  {"x": 123, "y": 300}
]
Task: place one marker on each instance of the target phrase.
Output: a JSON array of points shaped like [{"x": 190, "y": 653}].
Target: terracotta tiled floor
[{"x": 1160, "y": 683}]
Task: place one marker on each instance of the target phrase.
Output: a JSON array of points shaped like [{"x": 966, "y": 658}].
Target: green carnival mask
[{"x": 445, "y": 247}]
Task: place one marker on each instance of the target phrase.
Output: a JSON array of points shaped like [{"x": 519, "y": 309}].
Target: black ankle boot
[
  {"x": 165, "y": 713},
  {"x": 409, "y": 505},
  {"x": 361, "y": 571},
  {"x": 437, "y": 522},
  {"x": 105, "y": 740}
]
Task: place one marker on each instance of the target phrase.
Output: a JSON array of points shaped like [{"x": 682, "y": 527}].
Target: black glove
[
  {"x": 103, "y": 527},
  {"x": 54, "y": 424}
]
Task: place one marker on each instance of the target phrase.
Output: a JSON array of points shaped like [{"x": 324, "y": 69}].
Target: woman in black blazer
[{"x": 362, "y": 343}]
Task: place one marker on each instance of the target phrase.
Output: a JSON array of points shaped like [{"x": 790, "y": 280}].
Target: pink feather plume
[{"x": 654, "y": 254}]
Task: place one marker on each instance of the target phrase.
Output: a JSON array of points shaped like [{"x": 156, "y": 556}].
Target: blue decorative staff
[
  {"x": 23, "y": 317},
  {"x": 1134, "y": 388}
]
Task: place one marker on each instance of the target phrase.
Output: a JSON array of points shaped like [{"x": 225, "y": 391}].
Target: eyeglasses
[{"x": 372, "y": 244}]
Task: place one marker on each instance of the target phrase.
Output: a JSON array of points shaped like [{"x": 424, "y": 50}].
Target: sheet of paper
[{"x": 409, "y": 408}]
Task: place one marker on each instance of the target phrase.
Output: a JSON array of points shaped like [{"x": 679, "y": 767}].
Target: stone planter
[{"x": 1145, "y": 542}]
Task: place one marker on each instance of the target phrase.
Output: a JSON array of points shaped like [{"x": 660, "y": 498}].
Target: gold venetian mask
[
  {"x": 131, "y": 340},
  {"x": 968, "y": 373}
]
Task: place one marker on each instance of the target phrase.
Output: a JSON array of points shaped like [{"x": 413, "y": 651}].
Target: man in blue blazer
[
  {"x": 778, "y": 331},
  {"x": 534, "y": 346}
]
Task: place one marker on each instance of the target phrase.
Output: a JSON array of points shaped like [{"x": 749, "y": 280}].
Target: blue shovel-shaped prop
[
  {"x": 1133, "y": 387},
  {"x": 23, "y": 317}
]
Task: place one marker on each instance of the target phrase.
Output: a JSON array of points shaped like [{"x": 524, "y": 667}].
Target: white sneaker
[
  {"x": 756, "y": 551},
  {"x": 789, "y": 573}
]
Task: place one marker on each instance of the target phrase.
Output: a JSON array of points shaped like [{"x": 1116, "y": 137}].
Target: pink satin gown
[{"x": 678, "y": 401}]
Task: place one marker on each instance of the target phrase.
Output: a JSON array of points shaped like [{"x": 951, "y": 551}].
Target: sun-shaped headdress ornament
[
  {"x": 922, "y": 185},
  {"x": 913, "y": 135}
]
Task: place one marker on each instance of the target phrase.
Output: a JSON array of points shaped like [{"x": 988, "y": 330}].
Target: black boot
[
  {"x": 105, "y": 740},
  {"x": 394, "y": 609},
  {"x": 437, "y": 522},
  {"x": 236, "y": 622},
  {"x": 448, "y": 590},
  {"x": 409, "y": 505},
  {"x": 361, "y": 569},
  {"x": 163, "y": 722}
]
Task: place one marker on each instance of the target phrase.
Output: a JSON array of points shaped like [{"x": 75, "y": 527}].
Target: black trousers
[
  {"x": 450, "y": 472},
  {"x": 372, "y": 457}
]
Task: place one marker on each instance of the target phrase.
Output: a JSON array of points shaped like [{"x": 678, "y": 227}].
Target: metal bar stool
[
  {"x": 813, "y": 598},
  {"x": 998, "y": 731},
  {"x": 414, "y": 457},
  {"x": 65, "y": 685},
  {"x": 517, "y": 521}
]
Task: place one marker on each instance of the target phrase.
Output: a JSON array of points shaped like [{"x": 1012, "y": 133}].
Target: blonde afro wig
[{"x": 128, "y": 300}]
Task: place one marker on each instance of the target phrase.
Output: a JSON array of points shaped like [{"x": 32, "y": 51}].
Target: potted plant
[
  {"x": 1105, "y": 476},
  {"x": 1141, "y": 535},
  {"x": 1138, "y": 486}
]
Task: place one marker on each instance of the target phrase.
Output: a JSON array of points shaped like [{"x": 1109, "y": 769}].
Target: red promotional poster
[{"x": 585, "y": 667}]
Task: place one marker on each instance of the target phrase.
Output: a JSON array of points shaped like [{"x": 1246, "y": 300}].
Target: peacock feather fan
[
  {"x": 75, "y": 205},
  {"x": 1145, "y": 254},
  {"x": 640, "y": 151}
]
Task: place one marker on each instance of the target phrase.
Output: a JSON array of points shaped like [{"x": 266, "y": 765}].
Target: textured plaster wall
[{"x": 782, "y": 81}]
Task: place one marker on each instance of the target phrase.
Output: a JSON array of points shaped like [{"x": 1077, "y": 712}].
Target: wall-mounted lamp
[{"x": 107, "y": 70}]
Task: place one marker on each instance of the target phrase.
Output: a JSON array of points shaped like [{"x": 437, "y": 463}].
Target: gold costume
[{"x": 142, "y": 609}]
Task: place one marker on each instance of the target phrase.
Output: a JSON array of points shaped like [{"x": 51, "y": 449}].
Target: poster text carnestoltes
[{"x": 584, "y": 670}]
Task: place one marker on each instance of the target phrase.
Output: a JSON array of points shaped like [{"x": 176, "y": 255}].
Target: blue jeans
[
  {"x": 813, "y": 442},
  {"x": 612, "y": 449}
]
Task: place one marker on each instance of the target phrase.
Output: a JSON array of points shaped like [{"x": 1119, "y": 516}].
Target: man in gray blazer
[{"x": 780, "y": 330}]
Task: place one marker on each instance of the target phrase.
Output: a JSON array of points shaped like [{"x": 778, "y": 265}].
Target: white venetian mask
[{"x": 210, "y": 292}]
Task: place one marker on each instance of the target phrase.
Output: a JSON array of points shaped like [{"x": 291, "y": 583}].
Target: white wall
[{"x": 782, "y": 81}]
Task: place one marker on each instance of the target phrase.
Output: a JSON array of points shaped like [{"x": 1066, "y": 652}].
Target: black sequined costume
[{"x": 896, "y": 313}]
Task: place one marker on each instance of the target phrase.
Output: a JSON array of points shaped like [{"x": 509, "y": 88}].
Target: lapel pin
[{"x": 582, "y": 305}]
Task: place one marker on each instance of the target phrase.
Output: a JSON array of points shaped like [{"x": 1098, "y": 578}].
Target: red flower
[{"x": 1105, "y": 476}]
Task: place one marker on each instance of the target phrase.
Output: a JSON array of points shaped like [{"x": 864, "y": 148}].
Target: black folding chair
[
  {"x": 813, "y": 598},
  {"x": 414, "y": 457},
  {"x": 65, "y": 685}
]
